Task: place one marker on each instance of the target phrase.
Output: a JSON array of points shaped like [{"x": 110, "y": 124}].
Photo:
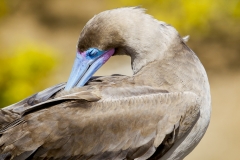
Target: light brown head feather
[{"x": 131, "y": 31}]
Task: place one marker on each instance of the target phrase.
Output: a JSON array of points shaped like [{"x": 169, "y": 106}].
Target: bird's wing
[
  {"x": 11, "y": 115},
  {"x": 13, "y": 112},
  {"x": 38, "y": 97},
  {"x": 85, "y": 126}
]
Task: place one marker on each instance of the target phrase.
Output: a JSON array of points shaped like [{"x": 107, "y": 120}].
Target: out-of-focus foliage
[
  {"x": 3, "y": 8},
  {"x": 23, "y": 71}
]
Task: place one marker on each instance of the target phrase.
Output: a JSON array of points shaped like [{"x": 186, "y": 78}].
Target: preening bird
[{"x": 161, "y": 112}]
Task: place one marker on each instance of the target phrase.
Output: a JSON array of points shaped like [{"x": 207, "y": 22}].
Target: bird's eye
[{"x": 92, "y": 52}]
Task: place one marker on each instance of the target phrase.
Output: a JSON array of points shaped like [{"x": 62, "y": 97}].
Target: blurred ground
[{"x": 38, "y": 40}]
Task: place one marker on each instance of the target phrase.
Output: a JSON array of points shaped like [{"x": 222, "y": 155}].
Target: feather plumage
[{"x": 161, "y": 112}]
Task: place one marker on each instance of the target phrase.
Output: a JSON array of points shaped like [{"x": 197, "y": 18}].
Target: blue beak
[{"x": 85, "y": 65}]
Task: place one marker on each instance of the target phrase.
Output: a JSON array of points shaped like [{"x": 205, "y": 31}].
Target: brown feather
[{"x": 161, "y": 112}]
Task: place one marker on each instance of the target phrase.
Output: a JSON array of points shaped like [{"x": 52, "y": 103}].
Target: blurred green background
[{"x": 38, "y": 42}]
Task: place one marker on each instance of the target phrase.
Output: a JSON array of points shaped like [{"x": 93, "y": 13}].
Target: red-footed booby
[{"x": 161, "y": 112}]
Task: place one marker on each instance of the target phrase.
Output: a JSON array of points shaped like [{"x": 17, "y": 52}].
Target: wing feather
[{"x": 113, "y": 128}]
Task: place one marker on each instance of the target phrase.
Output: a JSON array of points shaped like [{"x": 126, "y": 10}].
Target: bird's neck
[
  {"x": 167, "y": 74},
  {"x": 151, "y": 45},
  {"x": 158, "y": 52}
]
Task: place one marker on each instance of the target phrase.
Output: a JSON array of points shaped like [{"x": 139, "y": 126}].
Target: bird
[{"x": 161, "y": 112}]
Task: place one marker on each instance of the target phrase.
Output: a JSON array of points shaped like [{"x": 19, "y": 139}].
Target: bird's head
[{"x": 126, "y": 31}]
